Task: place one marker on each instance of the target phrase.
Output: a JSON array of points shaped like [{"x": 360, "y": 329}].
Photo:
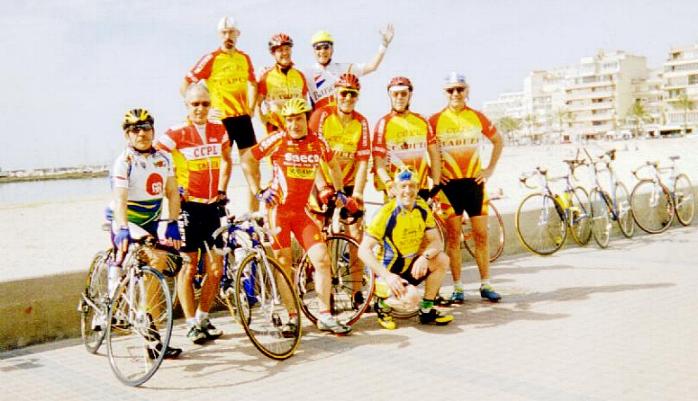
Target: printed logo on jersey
[
  {"x": 153, "y": 185},
  {"x": 202, "y": 151},
  {"x": 304, "y": 173},
  {"x": 319, "y": 80}
]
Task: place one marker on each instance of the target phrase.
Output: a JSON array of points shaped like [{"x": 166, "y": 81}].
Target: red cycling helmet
[
  {"x": 279, "y": 39},
  {"x": 400, "y": 81},
  {"x": 348, "y": 80}
]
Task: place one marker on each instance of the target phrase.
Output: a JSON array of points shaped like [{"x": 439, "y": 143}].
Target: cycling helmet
[
  {"x": 399, "y": 83},
  {"x": 348, "y": 80},
  {"x": 454, "y": 80},
  {"x": 226, "y": 23},
  {"x": 279, "y": 39},
  {"x": 136, "y": 116},
  {"x": 295, "y": 106},
  {"x": 321, "y": 37}
]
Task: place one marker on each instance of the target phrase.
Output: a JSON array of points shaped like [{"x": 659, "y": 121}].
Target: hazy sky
[{"x": 70, "y": 69}]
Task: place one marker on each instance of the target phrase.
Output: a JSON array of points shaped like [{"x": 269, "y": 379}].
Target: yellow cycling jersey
[
  {"x": 459, "y": 134},
  {"x": 276, "y": 86},
  {"x": 400, "y": 231}
]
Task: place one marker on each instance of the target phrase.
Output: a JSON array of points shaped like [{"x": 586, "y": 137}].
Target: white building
[
  {"x": 680, "y": 80},
  {"x": 508, "y": 104}
]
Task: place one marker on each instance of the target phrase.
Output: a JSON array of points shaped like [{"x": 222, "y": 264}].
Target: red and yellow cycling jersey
[
  {"x": 197, "y": 158},
  {"x": 402, "y": 139},
  {"x": 459, "y": 134},
  {"x": 227, "y": 76},
  {"x": 295, "y": 163},
  {"x": 275, "y": 87},
  {"x": 350, "y": 143}
]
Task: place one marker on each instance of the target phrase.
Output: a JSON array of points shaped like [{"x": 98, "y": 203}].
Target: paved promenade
[{"x": 584, "y": 324}]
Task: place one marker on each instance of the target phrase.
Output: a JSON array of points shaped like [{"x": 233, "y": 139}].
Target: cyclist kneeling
[{"x": 405, "y": 232}]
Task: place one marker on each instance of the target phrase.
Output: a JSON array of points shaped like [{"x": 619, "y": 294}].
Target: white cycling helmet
[
  {"x": 455, "y": 79},
  {"x": 226, "y": 23}
]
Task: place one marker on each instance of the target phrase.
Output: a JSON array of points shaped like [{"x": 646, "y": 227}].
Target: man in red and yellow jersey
[
  {"x": 279, "y": 83},
  {"x": 459, "y": 130},
  {"x": 201, "y": 153},
  {"x": 297, "y": 155},
  {"x": 404, "y": 138},
  {"x": 230, "y": 79}
]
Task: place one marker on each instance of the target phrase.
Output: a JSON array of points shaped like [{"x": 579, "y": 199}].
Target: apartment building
[
  {"x": 508, "y": 104},
  {"x": 680, "y": 81}
]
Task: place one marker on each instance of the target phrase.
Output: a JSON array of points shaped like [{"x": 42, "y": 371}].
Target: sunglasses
[
  {"x": 322, "y": 47},
  {"x": 347, "y": 92},
  {"x": 134, "y": 129},
  {"x": 202, "y": 104},
  {"x": 457, "y": 90}
]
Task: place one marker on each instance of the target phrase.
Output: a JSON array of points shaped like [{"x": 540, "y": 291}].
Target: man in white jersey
[{"x": 323, "y": 74}]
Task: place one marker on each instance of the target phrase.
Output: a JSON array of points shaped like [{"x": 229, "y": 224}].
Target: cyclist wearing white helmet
[
  {"x": 230, "y": 79},
  {"x": 323, "y": 74},
  {"x": 459, "y": 130}
]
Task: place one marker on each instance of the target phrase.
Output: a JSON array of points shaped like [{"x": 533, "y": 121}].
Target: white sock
[
  {"x": 201, "y": 316},
  {"x": 191, "y": 322},
  {"x": 484, "y": 282},
  {"x": 458, "y": 286}
]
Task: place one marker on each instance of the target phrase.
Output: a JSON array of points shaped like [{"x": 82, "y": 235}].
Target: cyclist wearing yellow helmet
[
  {"x": 230, "y": 79},
  {"x": 410, "y": 250},
  {"x": 297, "y": 155},
  {"x": 460, "y": 130},
  {"x": 325, "y": 72}
]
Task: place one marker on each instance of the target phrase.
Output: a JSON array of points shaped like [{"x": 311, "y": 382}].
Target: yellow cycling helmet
[
  {"x": 295, "y": 106},
  {"x": 136, "y": 116},
  {"x": 321, "y": 37}
]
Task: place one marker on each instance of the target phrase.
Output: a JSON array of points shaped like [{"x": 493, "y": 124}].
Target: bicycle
[
  {"x": 352, "y": 282},
  {"x": 554, "y": 214},
  {"x": 605, "y": 207},
  {"x": 654, "y": 205},
  {"x": 495, "y": 229},
  {"x": 139, "y": 317},
  {"x": 266, "y": 304}
]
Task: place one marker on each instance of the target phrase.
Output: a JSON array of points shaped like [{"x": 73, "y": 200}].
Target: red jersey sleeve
[
  {"x": 267, "y": 146},
  {"x": 202, "y": 69},
  {"x": 378, "y": 148},
  {"x": 167, "y": 141},
  {"x": 363, "y": 150},
  {"x": 488, "y": 129},
  {"x": 326, "y": 152},
  {"x": 434, "y": 121},
  {"x": 262, "y": 84}
]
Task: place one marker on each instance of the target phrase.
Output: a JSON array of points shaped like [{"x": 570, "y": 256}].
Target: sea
[{"x": 53, "y": 190}]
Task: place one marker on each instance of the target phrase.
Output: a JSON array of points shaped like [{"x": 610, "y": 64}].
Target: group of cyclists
[{"x": 319, "y": 147}]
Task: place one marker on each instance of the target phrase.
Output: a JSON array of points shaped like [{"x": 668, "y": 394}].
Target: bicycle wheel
[
  {"x": 579, "y": 216},
  {"x": 226, "y": 294},
  {"x": 600, "y": 218},
  {"x": 94, "y": 303},
  {"x": 683, "y": 199},
  {"x": 140, "y": 326},
  {"x": 267, "y": 306},
  {"x": 651, "y": 206},
  {"x": 622, "y": 207},
  {"x": 352, "y": 282},
  {"x": 495, "y": 233},
  {"x": 539, "y": 224}
]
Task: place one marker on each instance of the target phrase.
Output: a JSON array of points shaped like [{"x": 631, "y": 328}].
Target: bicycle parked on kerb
[
  {"x": 655, "y": 203},
  {"x": 543, "y": 219},
  {"x": 266, "y": 304},
  {"x": 135, "y": 317},
  {"x": 352, "y": 281},
  {"x": 606, "y": 207}
]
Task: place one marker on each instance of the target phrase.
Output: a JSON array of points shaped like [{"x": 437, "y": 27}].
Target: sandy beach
[{"x": 46, "y": 238}]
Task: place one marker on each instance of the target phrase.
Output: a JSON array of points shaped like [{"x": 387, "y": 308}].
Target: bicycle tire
[
  {"x": 684, "y": 199},
  {"x": 137, "y": 324},
  {"x": 550, "y": 231},
  {"x": 347, "y": 280},
  {"x": 263, "y": 311},
  {"x": 652, "y": 206},
  {"x": 600, "y": 218},
  {"x": 622, "y": 208},
  {"x": 226, "y": 293},
  {"x": 579, "y": 217},
  {"x": 495, "y": 233},
  {"x": 93, "y": 322}
]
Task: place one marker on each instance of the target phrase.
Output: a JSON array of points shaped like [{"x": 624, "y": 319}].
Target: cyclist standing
[
  {"x": 279, "y": 83},
  {"x": 459, "y": 130},
  {"x": 325, "y": 72},
  {"x": 201, "y": 152},
  {"x": 297, "y": 155},
  {"x": 230, "y": 79},
  {"x": 405, "y": 232},
  {"x": 141, "y": 178},
  {"x": 404, "y": 138}
]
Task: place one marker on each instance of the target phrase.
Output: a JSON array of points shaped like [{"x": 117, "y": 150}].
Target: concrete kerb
[{"x": 43, "y": 309}]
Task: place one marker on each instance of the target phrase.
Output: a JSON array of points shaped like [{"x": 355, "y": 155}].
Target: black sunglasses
[
  {"x": 134, "y": 129},
  {"x": 347, "y": 92},
  {"x": 197, "y": 104},
  {"x": 324, "y": 46},
  {"x": 457, "y": 90}
]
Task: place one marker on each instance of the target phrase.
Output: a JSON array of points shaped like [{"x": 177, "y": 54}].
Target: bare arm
[
  {"x": 252, "y": 95},
  {"x": 336, "y": 175},
  {"x": 432, "y": 243},
  {"x": 435, "y": 159},
  {"x": 361, "y": 177},
  {"x": 387, "y": 36},
  {"x": 486, "y": 173},
  {"x": 172, "y": 195},
  {"x": 226, "y": 168},
  {"x": 183, "y": 87},
  {"x": 394, "y": 281},
  {"x": 120, "y": 206},
  {"x": 248, "y": 158}
]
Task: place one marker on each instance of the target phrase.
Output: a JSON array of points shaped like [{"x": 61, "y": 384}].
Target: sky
[{"x": 71, "y": 69}]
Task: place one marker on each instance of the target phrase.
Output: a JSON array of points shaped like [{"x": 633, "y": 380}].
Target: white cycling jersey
[{"x": 321, "y": 79}]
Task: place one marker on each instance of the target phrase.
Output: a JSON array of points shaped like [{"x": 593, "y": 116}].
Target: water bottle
[{"x": 182, "y": 222}]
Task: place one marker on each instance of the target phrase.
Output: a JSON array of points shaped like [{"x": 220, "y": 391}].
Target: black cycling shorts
[
  {"x": 407, "y": 274},
  {"x": 202, "y": 220},
  {"x": 240, "y": 131},
  {"x": 464, "y": 194}
]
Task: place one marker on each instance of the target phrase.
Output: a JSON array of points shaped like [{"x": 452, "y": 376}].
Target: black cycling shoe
[{"x": 170, "y": 352}]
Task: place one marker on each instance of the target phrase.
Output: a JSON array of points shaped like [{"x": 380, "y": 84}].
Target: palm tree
[
  {"x": 686, "y": 104},
  {"x": 639, "y": 116}
]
